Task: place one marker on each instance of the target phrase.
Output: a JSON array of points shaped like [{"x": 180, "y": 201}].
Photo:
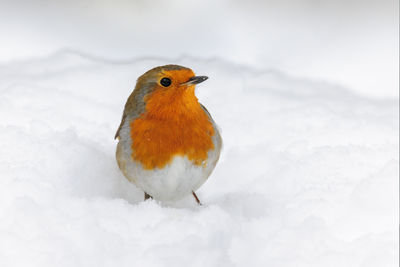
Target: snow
[{"x": 308, "y": 175}]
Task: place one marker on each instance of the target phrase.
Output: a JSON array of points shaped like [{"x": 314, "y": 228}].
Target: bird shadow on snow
[
  {"x": 87, "y": 169},
  {"x": 107, "y": 182},
  {"x": 103, "y": 179}
]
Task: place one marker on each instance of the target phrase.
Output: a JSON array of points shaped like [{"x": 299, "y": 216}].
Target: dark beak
[{"x": 196, "y": 80}]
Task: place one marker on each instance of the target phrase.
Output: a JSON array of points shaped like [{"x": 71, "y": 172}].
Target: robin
[{"x": 168, "y": 143}]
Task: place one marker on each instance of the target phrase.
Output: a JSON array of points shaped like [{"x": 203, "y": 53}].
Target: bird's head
[
  {"x": 166, "y": 87},
  {"x": 169, "y": 79}
]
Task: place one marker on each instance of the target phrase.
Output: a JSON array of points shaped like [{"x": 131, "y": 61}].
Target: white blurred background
[{"x": 353, "y": 43}]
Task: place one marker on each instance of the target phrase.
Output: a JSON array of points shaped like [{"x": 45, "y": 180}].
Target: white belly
[{"x": 174, "y": 181}]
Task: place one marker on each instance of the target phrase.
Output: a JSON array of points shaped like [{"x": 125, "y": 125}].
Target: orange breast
[{"x": 173, "y": 124}]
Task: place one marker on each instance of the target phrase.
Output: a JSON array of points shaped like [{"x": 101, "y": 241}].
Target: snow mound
[{"x": 308, "y": 175}]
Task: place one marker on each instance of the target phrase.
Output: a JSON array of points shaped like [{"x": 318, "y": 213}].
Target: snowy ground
[{"x": 308, "y": 174}]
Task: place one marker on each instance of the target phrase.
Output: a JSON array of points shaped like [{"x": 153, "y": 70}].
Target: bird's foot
[
  {"x": 197, "y": 199},
  {"x": 147, "y": 196}
]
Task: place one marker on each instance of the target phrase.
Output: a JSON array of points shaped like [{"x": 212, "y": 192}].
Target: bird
[{"x": 168, "y": 143}]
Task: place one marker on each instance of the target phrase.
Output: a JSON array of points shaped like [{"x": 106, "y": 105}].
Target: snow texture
[{"x": 308, "y": 175}]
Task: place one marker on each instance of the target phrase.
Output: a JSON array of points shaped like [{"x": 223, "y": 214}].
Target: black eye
[{"x": 165, "y": 82}]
